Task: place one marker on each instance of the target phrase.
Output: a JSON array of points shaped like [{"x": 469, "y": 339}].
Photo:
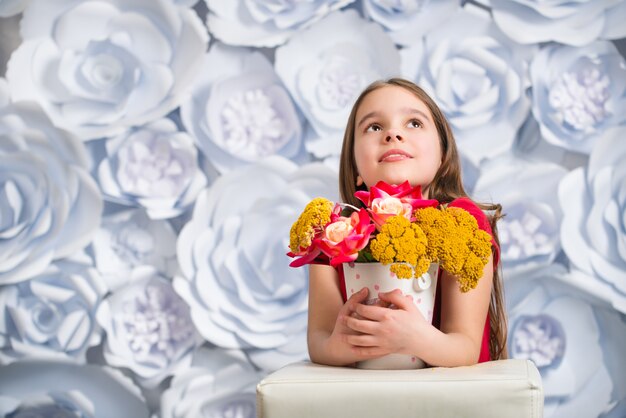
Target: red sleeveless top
[{"x": 483, "y": 223}]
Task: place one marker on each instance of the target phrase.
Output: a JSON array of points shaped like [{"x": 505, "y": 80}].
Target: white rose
[
  {"x": 155, "y": 167},
  {"x": 408, "y": 20},
  {"x": 50, "y": 389},
  {"x": 571, "y": 341},
  {"x": 236, "y": 276},
  {"x": 265, "y": 24},
  {"x": 98, "y": 68},
  {"x": 219, "y": 383},
  {"x": 326, "y": 66},
  {"x": 130, "y": 239},
  {"x": 560, "y": 20},
  {"x": 527, "y": 191},
  {"x": 477, "y": 76},
  {"x": 148, "y": 327},
  {"x": 578, "y": 93},
  {"x": 593, "y": 228},
  {"x": 51, "y": 315},
  {"x": 240, "y": 112},
  {"x": 531, "y": 144},
  {"x": 51, "y": 206}
]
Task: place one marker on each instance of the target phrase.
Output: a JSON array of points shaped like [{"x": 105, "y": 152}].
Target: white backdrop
[{"x": 154, "y": 153}]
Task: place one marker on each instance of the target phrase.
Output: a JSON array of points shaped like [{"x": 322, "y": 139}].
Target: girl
[{"x": 395, "y": 133}]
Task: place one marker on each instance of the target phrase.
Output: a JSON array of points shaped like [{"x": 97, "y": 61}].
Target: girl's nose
[{"x": 393, "y": 134}]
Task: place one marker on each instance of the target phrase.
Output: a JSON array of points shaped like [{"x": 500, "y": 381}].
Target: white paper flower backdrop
[{"x": 153, "y": 154}]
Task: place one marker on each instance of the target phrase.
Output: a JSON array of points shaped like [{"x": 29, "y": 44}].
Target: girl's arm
[
  {"x": 327, "y": 332},
  {"x": 405, "y": 330}
]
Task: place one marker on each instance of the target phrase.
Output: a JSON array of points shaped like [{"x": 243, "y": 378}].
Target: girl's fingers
[
  {"x": 360, "y": 325},
  {"x": 373, "y": 313},
  {"x": 396, "y": 297},
  {"x": 362, "y": 340},
  {"x": 357, "y": 298}
]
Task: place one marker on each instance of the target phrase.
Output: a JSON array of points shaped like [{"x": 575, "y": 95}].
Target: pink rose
[{"x": 344, "y": 237}]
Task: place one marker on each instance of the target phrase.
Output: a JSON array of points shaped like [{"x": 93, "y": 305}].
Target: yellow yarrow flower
[
  {"x": 456, "y": 243},
  {"x": 400, "y": 241},
  {"x": 314, "y": 217}
]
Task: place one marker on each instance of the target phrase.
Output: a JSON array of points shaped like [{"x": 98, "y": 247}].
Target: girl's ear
[{"x": 359, "y": 181}]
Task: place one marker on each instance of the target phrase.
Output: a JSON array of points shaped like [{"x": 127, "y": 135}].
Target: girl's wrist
[{"x": 421, "y": 341}]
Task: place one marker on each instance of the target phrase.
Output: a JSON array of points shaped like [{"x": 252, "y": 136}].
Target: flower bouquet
[{"x": 395, "y": 235}]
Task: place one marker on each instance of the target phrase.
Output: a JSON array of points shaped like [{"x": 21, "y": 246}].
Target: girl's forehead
[{"x": 391, "y": 98}]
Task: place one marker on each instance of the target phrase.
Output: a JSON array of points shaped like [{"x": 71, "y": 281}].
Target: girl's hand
[
  {"x": 391, "y": 330},
  {"x": 339, "y": 338}
]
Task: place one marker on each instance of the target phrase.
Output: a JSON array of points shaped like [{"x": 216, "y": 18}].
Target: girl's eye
[
  {"x": 373, "y": 128},
  {"x": 414, "y": 123}
]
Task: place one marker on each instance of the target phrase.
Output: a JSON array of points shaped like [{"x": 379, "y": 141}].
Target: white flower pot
[{"x": 378, "y": 278}]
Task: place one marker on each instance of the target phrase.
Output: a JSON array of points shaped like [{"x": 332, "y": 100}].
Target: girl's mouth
[{"x": 394, "y": 155}]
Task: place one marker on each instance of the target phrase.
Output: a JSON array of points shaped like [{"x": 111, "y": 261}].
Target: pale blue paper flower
[
  {"x": 478, "y": 78},
  {"x": 232, "y": 253},
  {"x": 51, "y": 315},
  {"x": 148, "y": 327},
  {"x": 406, "y": 21},
  {"x": 186, "y": 3},
  {"x": 51, "y": 389},
  {"x": 527, "y": 191},
  {"x": 578, "y": 93},
  {"x": 12, "y": 7},
  {"x": 265, "y": 23},
  {"x": 239, "y": 111},
  {"x": 531, "y": 145},
  {"x": 98, "y": 68},
  {"x": 326, "y": 66},
  {"x": 130, "y": 239},
  {"x": 154, "y": 167},
  {"x": 567, "y": 338},
  {"x": 593, "y": 229},
  {"x": 219, "y": 383},
  {"x": 49, "y": 205},
  {"x": 563, "y": 21},
  {"x": 53, "y": 404}
]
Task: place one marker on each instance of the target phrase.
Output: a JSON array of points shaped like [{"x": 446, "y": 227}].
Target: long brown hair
[{"x": 445, "y": 187}]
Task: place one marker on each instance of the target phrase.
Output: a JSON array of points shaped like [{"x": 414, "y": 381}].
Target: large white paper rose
[
  {"x": 219, "y": 383},
  {"x": 593, "y": 229},
  {"x": 563, "y": 21},
  {"x": 527, "y": 191},
  {"x": 148, "y": 327},
  {"x": 130, "y": 239},
  {"x": 265, "y": 23},
  {"x": 326, "y": 66},
  {"x": 531, "y": 145},
  {"x": 154, "y": 167},
  {"x": 12, "y": 7},
  {"x": 51, "y": 315},
  {"x": 237, "y": 280},
  {"x": 578, "y": 93},
  {"x": 100, "y": 67},
  {"x": 478, "y": 78},
  {"x": 239, "y": 111},
  {"x": 57, "y": 389},
  {"x": 406, "y": 21},
  {"x": 569, "y": 340},
  {"x": 49, "y": 205}
]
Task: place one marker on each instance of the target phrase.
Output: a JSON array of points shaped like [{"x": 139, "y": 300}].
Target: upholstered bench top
[{"x": 505, "y": 388}]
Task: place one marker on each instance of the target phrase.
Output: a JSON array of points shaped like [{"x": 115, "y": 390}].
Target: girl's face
[{"x": 395, "y": 139}]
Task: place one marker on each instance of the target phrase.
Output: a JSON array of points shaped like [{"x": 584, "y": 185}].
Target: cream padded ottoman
[{"x": 499, "y": 389}]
